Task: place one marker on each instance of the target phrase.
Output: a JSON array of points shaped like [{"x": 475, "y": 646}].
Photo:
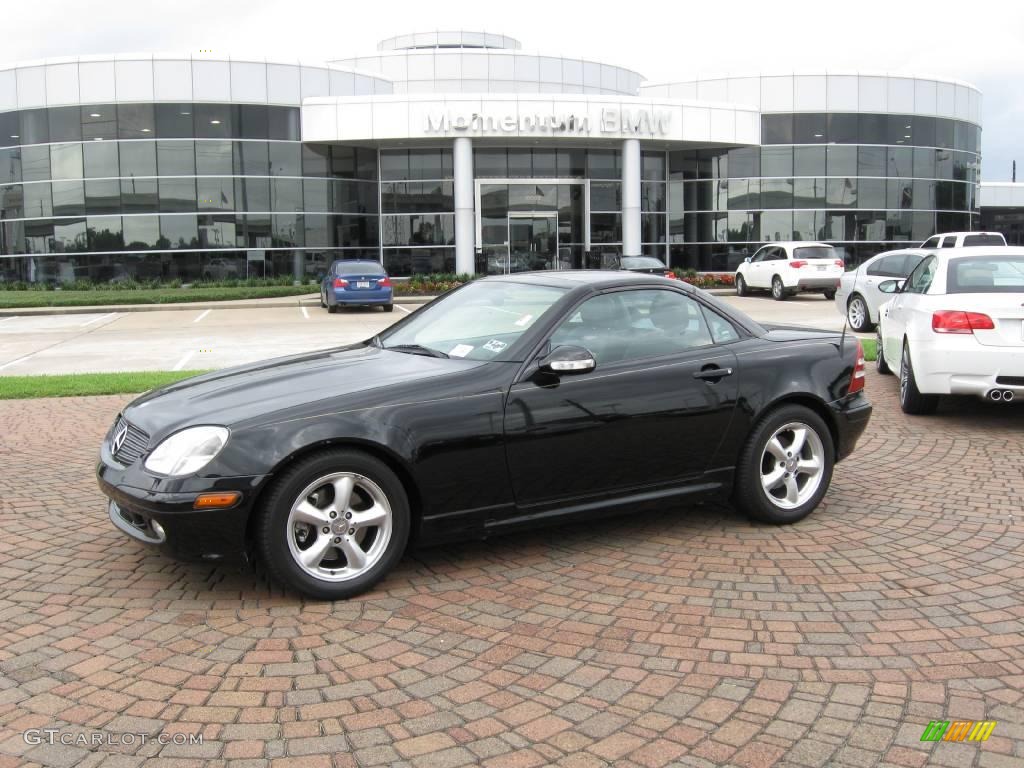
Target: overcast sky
[{"x": 981, "y": 42}]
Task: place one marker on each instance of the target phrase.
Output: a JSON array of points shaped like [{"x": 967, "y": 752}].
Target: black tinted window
[{"x": 984, "y": 240}]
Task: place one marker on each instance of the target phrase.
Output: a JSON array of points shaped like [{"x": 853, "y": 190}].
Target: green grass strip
[
  {"x": 99, "y": 298},
  {"x": 81, "y": 384}
]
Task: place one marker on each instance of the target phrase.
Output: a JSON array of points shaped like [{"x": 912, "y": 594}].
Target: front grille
[{"x": 134, "y": 445}]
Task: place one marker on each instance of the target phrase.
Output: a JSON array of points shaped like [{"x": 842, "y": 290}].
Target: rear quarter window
[{"x": 986, "y": 274}]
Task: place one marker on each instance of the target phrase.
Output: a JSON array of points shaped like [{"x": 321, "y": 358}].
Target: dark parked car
[
  {"x": 648, "y": 265},
  {"x": 356, "y": 283},
  {"x": 511, "y": 401}
]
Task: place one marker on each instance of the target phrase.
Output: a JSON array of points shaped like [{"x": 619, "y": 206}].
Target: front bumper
[
  {"x": 850, "y": 416},
  {"x": 364, "y": 296},
  {"x": 166, "y": 520}
]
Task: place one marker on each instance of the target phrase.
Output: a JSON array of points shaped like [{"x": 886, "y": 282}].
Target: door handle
[{"x": 712, "y": 374}]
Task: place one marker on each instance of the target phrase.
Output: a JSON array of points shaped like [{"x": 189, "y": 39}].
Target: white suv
[
  {"x": 787, "y": 268},
  {"x": 963, "y": 239}
]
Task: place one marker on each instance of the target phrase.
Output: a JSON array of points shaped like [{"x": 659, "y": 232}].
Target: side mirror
[
  {"x": 891, "y": 286},
  {"x": 568, "y": 360},
  {"x": 747, "y": 259}
]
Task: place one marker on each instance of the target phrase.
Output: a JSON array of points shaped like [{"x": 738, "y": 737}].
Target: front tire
[
  {"x": 741, "y": 286},
  {"x": 778, "y": 289},
  {"x": 334, "y": 524},
  {"x": 912, "y": 401},
  {"x": 880, "y": 365},
  {"x": 857, "y": 314},
  {"x": 786, "y": 466},
  {"x": 323, "y": 302}
]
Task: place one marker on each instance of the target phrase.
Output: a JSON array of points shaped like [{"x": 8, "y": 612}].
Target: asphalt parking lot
[
  {"x": 221, "y": 337},
  {"x": 683, "y": 636}
]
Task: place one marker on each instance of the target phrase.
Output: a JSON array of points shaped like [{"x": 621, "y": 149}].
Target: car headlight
[{"x": 187, "y": 451}]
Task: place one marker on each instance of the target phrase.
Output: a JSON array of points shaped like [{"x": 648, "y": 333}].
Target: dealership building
[{"x": 457, "y": 151}]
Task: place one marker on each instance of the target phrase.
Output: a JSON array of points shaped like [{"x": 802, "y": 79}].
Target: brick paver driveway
[{"x": 679, "y": 636}]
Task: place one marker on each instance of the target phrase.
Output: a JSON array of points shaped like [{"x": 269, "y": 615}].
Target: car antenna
[{"x": 846, "y": 314}]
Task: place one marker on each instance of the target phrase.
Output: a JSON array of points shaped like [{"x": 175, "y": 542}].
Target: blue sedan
[{"x": 356, "y": 283}]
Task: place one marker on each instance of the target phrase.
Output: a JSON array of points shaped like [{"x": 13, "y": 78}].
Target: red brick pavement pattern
[{"x": 682, "y": 636}]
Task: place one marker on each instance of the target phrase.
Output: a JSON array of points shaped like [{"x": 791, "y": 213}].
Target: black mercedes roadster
[{"x": 511, "y": 401}]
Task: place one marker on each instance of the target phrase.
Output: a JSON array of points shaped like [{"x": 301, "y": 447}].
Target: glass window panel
[
  {"x": 214, "y": 158},
  {"x": 777, "y": 129},
  {"x": 141, "y": 232},
  {"x": 606, "y": 228},
  {"x": 873, "y": 128},
  {"x": 899, "y": 130},
  {"x": 809, "y": 161},
  {"x": 139, "y": 195},
  {"x": 136, "y": 121},
  {"x": 604, "y": 164},
  {"x": 354, "y": 231},
  {"x": 924, "y": 163},
  {"x": 777, "y": 193},
  {"x": 65, "y": 124},
  {"x": 315, "y": 195},
  {"x": 285, "y": 158},
  {"x": 808, "y": 225},
  {"x": 253, "y": 119},
  {"x": 32, "y": 126},
  {"x": 288, "y": 230},
  {"x": 777, "y": 225},
  {"x": 174, "y": 121},
  {"x": 776, "y": 161},
  {"x": 394, "y": 165},
  {"x": 809, "y": 193},
  {"x": 652, "y": 196},
  {"x": 218, "y": 232},
  {"x": 900, "y": 162},
  {"x": 215, "y": 194},
  {"x": 841, "y": 160},
  {"x": 366, "y": 163},
  {"x": 343, "y": 163},
  {"x": 571, "y": 163},
  {"x": 103, "y": 196},
  {"x": 871, "y": 193},
  {"x": 744, "y": 163},
  {"x": 653, "y": 165},
  {"x": 898, "y": 226},
  {"x": 14, "y": 237},
  {"x": 253, "y": 230},
  {"x": 213, "y": 121},
  {"x": 944, "y": 133},
  {"x": 652, "y": 228},
  {"x": 315, "y": 159},
  {"x": 177, "y": 195},
  {"x": 840, "y": 226},
  {"x": 253, "y": 194},
  {"x": 809, "y": 128},
  {"x": 871, "y": 161},
  {"x": 12, "y": 202},
  {"x": 251, "y": 158},
  {"x": 35, "y": 163},
  {"x": 100, "y": 160},
  {"x": 544, "y": 163},
  {"x": 899, "y": 194},
  {"x": 68, "y": 198},
  {"x": 66, "y": 161},
  {"x": 943, "y": 164},
  {"x": 922, "y": 130},
  {"x": 105, "y": 233},
  {"x": 179, "y": 232},
  {"x": 283, "y": 123},
  {"x": 870, "y": 225},
  {"x": 425, "y": 164},
  {"x": 38, "y": 235},
  {"x": 520, "y": 163},
  {"x": 286, "y": 195},
  {"x": 38, "y": 200},
  {"x": 138, "y": 158},
  {"x": 721, "y": 195},
  {"x": 175, "y": 158},
  {"x": 740, "y": 198},
  {"x": 69, "y": 236},
  {"x": 841, "y": 193},
  {"x": 924, "y": 195},
  {"x": 10, "y": 129},
  {"x": 842, "y": 128},
  {"x": 944, "y": 195},
  {"x": 99, "y": 122},
  {"x": 741, "y": 227},
  {"x": 489, "y": 163}
]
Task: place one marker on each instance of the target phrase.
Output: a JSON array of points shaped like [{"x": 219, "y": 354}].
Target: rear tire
[
  {"x": 332, "y": 308},
  {"x": 830, "y": 295},
  {"x": 857, "y": 314},
  {"x": 779, "y": 292},
  {"x": 741, "y": 286},
  {"x": 323, "y": 303},
  {"x": 389, "y": 307},
  {"x": 335, "y": 572},
  {"x": 912, "y": 401},
  {"x": 775, "y": 459},
  {"x": 880, "y": 365}
]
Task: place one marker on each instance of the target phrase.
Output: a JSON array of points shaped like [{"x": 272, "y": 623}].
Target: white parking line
[
  {"x": 305, "y": 313},
  {"x": 399, "y": 306},
  {"x": 200, "y": 318},
  {"x": 187, "y": 356},
  {"x": 12, "y": 317},
  {"x": 16, "y": 360},
  {"x": 97, "y": 319}
]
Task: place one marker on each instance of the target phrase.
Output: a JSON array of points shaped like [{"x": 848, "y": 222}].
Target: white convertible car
[{"x": 956, "y": 327}]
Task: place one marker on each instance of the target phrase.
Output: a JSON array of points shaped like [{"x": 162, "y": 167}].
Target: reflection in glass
[
  {"x": 65, "y": 124},
  {"x": 104, "y": 233},
  {"x": 136, "y": 121},
  {"x": 175, "y": 158},
  {"x": 285, "y": 158},
  {"x": 139, "y": 195},
  {"x": 102, "y": 196},
  {"x": 214, "y": 158},
  {"x": 809, "y": 161},
  {"x": 99, "y": 122},
  {"x": 213, "y": 121},
  {"x": 141, "y": 232},
  {"x": 179, "y": 231},
  {"x": 65, "y": 161},
  {"x": 174, "y": 121},
  {"x": 177, "y": 195},
  {"x": 215, "y": 194},
  {"x": 69, "y": 236},
  {"x": 138, "y": 158},
  {"x": 251, "y": 158},
  {"x": 38, "y": 202},
  {"x": 841, "y": 193},
  {"x": 68, "y": 198},
  {"x": 286, "y": 195}
]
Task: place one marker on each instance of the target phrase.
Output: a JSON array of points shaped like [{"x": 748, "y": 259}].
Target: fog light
[
  {"x": 216, "y": 500},
  {"x": 157, "y": 529}
]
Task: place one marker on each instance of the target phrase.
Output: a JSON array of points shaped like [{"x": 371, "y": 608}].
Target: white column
[
  {"x": 465, "y": 223},
  {"x": 631, "y": 197}
]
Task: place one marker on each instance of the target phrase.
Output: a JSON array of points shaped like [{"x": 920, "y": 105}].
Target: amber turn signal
[{"x": 216, "y": 500}]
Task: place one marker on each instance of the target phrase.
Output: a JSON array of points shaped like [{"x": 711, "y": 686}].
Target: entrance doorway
[{"x": 532, "y": 241}]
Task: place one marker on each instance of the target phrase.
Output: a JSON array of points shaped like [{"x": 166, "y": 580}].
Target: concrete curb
[{"x": 185, "y": 306}]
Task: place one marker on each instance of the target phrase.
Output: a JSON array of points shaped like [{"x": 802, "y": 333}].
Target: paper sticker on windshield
[
  {"x": 524, "y": 320},
  {"x": 495, "y": 346},
  {"x": 460, "y": 350}
]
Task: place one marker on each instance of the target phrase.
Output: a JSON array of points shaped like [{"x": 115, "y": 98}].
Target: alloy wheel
[
  {"x": 857, "y": 313},
  {"x": 792, "y": 465},
  {"x": 339, "y": 527},
  {"x": 777, "y": 288}
]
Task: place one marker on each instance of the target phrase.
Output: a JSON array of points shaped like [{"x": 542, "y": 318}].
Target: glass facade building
[{"x": 458, "y": 152}]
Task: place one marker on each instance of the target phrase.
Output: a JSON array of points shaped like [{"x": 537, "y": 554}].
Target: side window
[
  {"x": 910, "y": 264},
  {"x": 631, "y": 325},
  {"x": 921, "y": 278},
  {"x": 761, "y": 255},
  {"x": 888, "y": 266},
  {"x": 949, "y": 242},
  {"x": 722, "y": 331},
  {"x": 878, "y": 266},
  {"x": 931, "y": 242}
]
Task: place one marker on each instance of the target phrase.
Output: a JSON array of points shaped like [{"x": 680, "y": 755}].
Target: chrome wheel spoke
[
  {"x": 369, "y": 518},
  {"x": 775, "y": 448},
  {"x": 305, "y": 512},
  {"x": 799, "y": 438},
  {"x": 354, "y": 554},
  {"x": 792, "y": 490},
  {"x": 772, "y": 480},
  {"x": 809, "y": 466},
  {"x": 343, "y": 488},
  {"x": 312, "y": 557}
]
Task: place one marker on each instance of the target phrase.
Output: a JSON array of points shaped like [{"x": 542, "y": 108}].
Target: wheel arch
[
  {"x": 376, "y": 450},
  {"x": 812, "y": 403}
]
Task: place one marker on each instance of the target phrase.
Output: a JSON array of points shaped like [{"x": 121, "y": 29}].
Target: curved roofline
[
  {"x": 815, "y": 73},
  {"x": 515, "y": 43}
]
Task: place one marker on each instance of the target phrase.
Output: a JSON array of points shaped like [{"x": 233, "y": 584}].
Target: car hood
[{"x": 266, "y": 391}]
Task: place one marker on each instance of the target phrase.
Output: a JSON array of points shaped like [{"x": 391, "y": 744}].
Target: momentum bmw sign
[{"x": 618, "y": 121}]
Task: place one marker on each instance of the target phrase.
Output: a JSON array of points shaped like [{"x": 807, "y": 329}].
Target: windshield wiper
[{"x": 417, "y": 349}]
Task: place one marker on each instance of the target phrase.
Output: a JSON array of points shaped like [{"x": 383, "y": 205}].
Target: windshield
[
  {"x": 641, "y": 262},
  {"x": 358, "y": 268},
  {"x": 984, "y": 240},
  {"x": 986, "y": 274},
  {"x": 478, "y": 321},
  {"x": 814, "y": 252}
]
